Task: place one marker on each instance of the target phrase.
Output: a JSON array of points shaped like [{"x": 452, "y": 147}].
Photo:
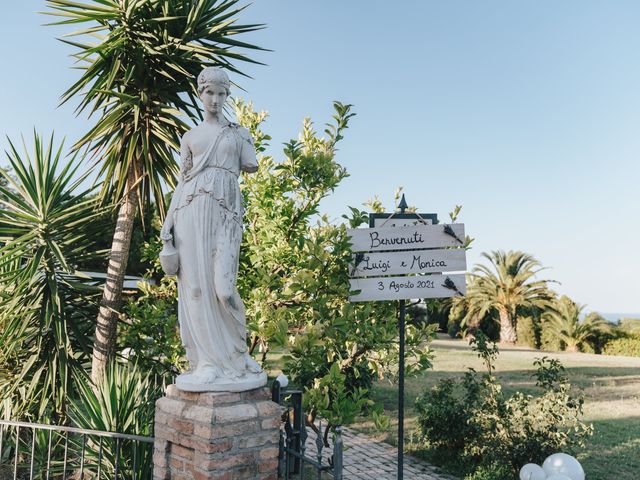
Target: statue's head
[
  {"x": 213, "y": 76},
  {"x": 213, "y": 88}
]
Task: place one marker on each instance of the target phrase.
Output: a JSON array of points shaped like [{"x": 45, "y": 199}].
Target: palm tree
[
  {"x": 504, "y": 286},
  {"x": 563, "y": 321},
  {"x": 47, "y": 227},
  {"x": 139, "y": 79}
]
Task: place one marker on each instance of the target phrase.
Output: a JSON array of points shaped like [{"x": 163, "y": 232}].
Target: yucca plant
[
  {"x": 46, "y": 227},
  {"x": 139, "y": 60},
  {"x": 564, "y": 323},
  {"x": 508, "y": 283},
  {"x": 122, "y": 401}
]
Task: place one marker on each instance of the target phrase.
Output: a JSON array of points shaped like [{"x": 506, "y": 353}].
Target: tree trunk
[
  {"x": 104, "y": 346},
  {"x": 507, "y": 328}
]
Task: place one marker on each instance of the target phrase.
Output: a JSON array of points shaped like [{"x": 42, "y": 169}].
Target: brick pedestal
[{"x": 224, "y": 436}]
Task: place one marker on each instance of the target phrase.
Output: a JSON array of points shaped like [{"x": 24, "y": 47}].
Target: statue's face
[{"x": 213, "y": 98}]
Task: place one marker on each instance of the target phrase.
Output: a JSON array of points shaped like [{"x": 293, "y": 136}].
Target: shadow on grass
[
  {"x": 463, "y": 345},
  {"x": 614, "y": 450}
]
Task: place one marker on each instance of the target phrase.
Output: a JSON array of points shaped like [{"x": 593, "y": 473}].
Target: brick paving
[{"x": 368, "y": 459}]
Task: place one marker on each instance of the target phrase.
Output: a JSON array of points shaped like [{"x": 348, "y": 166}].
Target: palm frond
[
  {"x": 47, "y": 228},
  {"x": 139, "y": 77},
  {"x": 508, "y": 282}
]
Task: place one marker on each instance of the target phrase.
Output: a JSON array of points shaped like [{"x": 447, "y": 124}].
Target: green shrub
[
  {"x": 492, "y": 435},
  {"x": 149, "y": 334},
  {"x": 588, "y": 348},
  {"x": 490, "y": 326},
  {"x": 528, "y": 332},
  {"x": 453, "y": 328},
  {"x": 629, "y": 347},
  {"x": 443, "y": 418},
  {"x": 549, "y": 341},
  {"x": 495, "y": 471},
  {"x": 630, "y": 325}
]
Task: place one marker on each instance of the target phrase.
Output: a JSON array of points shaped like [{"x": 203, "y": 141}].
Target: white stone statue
[{"x": 205, "y": 217}]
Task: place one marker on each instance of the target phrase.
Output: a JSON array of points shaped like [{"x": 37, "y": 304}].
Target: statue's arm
[
  {"x": 248, "y": 160},
  {"x": 186, "y": 164}
]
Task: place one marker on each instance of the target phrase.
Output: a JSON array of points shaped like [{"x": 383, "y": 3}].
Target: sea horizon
[{"x": 613, "y": 317}]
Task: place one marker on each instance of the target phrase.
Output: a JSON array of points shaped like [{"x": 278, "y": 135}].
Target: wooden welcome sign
[
  {"x": 404, "y": 256},
  {"x": 382, "y": 254}
]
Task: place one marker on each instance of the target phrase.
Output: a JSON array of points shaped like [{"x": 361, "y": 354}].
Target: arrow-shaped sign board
[
  {"x": 409, "y": 261},
  {"x": 383, "y": 253},
  {"x": 406, "y": 238},
  {"x": 398, "y": 288}
]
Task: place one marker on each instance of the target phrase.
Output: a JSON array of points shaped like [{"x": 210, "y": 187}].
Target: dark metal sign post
[
  {"x": 418, "y": 218},
  {"x": 401, "y": 327},
  {"x": 391, "y": 237},
  {"x": 401, "y": 395}
]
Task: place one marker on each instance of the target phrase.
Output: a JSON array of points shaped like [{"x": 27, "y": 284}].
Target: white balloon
[
  {"x": 558, "y": 476},
  {"x": 531, "y": 471},
  {"x": 561, "y": 463}
]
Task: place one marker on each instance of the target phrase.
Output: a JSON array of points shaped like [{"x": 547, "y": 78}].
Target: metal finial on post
[{"x": 403, "y": 204}]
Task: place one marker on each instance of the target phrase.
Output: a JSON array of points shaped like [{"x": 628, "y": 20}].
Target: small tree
[
  {"x": 294, "y": 275},
  {"x": 505, "y": 285},
  {"x": 563, "y": 322}
]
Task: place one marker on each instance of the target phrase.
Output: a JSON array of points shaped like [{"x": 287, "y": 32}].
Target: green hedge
[
  {"x": 528, "y": 332},
  {"x": 629, "y": 347}
]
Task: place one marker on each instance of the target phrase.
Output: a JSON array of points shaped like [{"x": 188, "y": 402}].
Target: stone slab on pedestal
[{"x": 215, "y": 435}]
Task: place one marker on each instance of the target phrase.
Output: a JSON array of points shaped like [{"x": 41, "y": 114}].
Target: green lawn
[{"x": 611, "y": 386}]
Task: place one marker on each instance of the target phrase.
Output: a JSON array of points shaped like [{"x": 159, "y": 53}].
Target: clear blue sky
[{"x": 526, "y": 113}]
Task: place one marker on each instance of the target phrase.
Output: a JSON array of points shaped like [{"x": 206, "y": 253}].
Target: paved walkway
[{"x": 368, "y": 459}]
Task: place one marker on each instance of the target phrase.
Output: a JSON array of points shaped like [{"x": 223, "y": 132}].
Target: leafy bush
[
  {"x": 630, "y": 325},
  {"x": 294, "y": 274},
  {"x": 493, "y": 434},
  {"x": 495, "y": 471},
  {"x": 528, "y": 332},
  {"x": 629, "y": 347},
  {"x": 330, "y": 398},
  {"x": 549, "y": 341},
  {"x": 443, "y": 417},
  {"x": 149, "y": 333},
  {"x": 453, "y": 328}
]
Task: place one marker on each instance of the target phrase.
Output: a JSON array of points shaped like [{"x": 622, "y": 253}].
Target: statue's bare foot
[
  {"x": 252, "y": 365},
  {"x": 206, "y": 380},
  {"x": 204, "y": 375}
]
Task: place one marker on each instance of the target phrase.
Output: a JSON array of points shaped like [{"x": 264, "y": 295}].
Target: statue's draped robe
[{"x": 207, "y": 233}]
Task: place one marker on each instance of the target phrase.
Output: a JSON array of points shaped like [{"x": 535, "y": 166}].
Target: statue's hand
[{"x": 165, "y": 232}]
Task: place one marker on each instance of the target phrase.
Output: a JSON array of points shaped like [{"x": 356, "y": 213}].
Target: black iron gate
[{"x": 299, "y": 459}]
